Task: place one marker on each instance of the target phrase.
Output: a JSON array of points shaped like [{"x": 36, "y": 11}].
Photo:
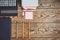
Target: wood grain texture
[
  {"x": 46, "y": 23},
  {"x": 44, "y": 18}
]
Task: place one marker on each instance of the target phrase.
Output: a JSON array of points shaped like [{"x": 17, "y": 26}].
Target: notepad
[
  {"x": 28, "y": 15},
  {"x": 29, "y": 4}
]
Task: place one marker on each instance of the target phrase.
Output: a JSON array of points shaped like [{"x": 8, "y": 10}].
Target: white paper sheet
[
  {"x": 29, "y": 2},
  {"x": 28, "y": 15}
]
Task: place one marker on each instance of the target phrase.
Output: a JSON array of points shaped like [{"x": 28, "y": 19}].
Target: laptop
[{"x": 8, "y": 8}]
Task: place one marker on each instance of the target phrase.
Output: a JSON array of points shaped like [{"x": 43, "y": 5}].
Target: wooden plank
[
  {"x": 29, "y": 31},
  {"x": 23, "y": 29}
]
